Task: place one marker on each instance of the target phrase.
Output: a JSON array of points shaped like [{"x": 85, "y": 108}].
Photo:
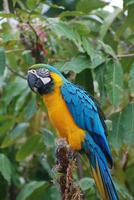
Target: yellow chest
[{"x": 62, "y": 119}]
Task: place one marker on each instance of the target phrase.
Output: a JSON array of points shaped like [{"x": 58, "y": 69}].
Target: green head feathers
[{"x": 49, "y": 67}]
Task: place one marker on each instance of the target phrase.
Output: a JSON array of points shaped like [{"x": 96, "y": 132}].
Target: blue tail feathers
[{"x": 100, "y": 169}]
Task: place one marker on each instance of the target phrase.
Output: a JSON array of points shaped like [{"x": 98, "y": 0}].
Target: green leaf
[
  {"x": 99, "y": 77},
  {"x": 51, "y": 193},
  {"x": 2, "y": 81},
  {"x": 123, "y": 127},
  {"x": 124, "y": 193},
  {"x": 81, "y": 27},
  {"x": 6, "y": 126},
  {"x": 86, "y": 183},
  {"x": 54, "y": 193},
  {"x": 86, "y": 6},
  {"x": 12, "y": 62},
  {"x": 127, "y": 23},
  {"x": 7, "y": 15},
  {"x": 3, "y": 188},
  {"x": 31, "y": 145},
  {"x": 19, "y": 129},
  {"x": 15, "y": 134},
  {"x": 63, "y": 29},
  {"x": 71, "y": 13},
  {"x": 27, "y": 56},
  {"x": 32, "y": 4},
  {"x": 14, "y": 89},
  {"x": 21, "y": 100},
  {"x": 76, "y": 64},
  {"x": 88, "y": 47},
  {"x": 96, "y": 57},
  {"x": 85, "y": 79},
  {"x": 5, "y": 167},
  {"x": 29, "y": 188},
  {"x": 127, "y": 3},
  {"x": 2, "y": 61},
  {"x": 20, "y": 3},
  {"x": 48, "y": 138},
  {"x": 131, "y": 81},
  {"x": 129, "y": 173},
  {"x": 108, "y": 22},
  {"x": 107, "y": 49},
  {"x": 31, "y": 108},
  {"x": 113, "y": 80},
  {"x": 45, "y": 164}
]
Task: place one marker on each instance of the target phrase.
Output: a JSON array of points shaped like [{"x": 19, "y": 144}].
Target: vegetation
[{"x": 95, "y": 49}]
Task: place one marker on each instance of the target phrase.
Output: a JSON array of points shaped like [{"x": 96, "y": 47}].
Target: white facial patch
[{"x": 45, "y": 80}]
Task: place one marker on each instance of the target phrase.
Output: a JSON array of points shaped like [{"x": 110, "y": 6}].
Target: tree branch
[
  {"x": 66, "y": 163},
  {"x": 125, "y": 55},
  {"x": 16, "y": 73},
  {"x": 34, "y": 31}
]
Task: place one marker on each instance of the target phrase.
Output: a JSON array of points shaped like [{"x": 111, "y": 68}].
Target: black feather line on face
[
  {"x": 43, "y": 72},
  {"x": 44, "y": 89}
]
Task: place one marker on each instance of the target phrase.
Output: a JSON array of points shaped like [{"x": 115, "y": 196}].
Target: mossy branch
[{"x": 66, "y": 163}]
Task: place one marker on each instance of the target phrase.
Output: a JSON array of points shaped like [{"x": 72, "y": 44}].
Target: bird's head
[{"x": 43, "y": 78}]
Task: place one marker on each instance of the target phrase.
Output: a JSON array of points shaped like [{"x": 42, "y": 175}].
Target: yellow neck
[{"x": 52, "y": 99}]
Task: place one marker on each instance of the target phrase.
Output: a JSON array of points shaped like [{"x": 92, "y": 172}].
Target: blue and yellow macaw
[{"x": 78, "y": 118}]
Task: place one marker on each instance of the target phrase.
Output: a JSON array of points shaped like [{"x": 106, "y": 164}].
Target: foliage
[{"x": 94, "y": 48}]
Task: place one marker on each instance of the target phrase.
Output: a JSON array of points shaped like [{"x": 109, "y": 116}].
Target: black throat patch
[{"x": 45, "y": 89}]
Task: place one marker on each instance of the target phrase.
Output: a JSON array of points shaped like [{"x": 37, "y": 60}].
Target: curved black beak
[{"x": 32, "y": 80}]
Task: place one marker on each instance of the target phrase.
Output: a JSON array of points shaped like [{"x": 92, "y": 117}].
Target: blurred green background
[{"x": 92, "y": 43}]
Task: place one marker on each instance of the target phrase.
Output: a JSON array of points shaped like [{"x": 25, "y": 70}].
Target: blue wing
[{"x": 87, "y": 116}]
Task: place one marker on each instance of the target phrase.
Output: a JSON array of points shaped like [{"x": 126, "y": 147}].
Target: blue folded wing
[{"x": 86, "y": 115}]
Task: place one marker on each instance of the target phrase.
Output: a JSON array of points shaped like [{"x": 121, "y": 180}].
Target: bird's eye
[{"x": 33, "y": 71}]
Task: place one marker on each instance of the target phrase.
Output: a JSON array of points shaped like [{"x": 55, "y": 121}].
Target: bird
[{"x": 77, "y": 117}]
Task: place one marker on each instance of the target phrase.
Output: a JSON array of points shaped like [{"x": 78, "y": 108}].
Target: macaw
[{"x": 78, "y": 118}]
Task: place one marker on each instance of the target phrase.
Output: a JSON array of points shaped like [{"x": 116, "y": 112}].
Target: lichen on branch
[{"x": 66, "y": 163}]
